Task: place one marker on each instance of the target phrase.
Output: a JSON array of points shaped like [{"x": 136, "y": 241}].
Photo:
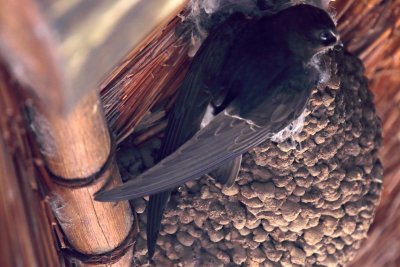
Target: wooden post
[{"x": 77, "y": 145}]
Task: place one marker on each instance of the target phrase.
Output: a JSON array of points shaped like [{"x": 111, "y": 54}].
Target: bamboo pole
[{"x": 74, "y": 146}]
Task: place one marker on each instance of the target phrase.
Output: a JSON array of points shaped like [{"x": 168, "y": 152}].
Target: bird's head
[{"x": 309, "y": 30}]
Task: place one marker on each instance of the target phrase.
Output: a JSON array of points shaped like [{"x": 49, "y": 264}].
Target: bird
[{"x": 250, "y": 79}]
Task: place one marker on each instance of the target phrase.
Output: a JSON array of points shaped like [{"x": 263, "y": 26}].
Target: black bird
[{"x": 256, "y": 76}]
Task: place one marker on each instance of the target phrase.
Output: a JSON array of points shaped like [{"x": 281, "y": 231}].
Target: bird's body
[{"x": 257, "y": 77}]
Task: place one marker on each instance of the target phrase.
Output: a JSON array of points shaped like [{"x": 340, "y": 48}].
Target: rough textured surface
[{"x": 307, "y": 201}]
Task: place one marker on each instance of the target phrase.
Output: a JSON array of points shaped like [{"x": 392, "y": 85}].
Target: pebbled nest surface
[{"x": 308, "y": 201}]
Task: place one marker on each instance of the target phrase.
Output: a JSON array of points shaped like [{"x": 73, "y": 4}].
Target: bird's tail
[{"x": 156, "y": 207}]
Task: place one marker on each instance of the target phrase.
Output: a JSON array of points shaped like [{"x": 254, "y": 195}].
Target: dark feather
[{"x": 227, "y": 173}]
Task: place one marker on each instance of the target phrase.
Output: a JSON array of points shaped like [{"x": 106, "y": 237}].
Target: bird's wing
[
  {"x": 223, "y": 139},
  {"x": 198, "y": 87},
  {"x": 155, "y": 211},
  {"x": 193, "y": 99}
]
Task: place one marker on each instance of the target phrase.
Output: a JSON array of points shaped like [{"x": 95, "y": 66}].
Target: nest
[{"x": 303, "y": 202}]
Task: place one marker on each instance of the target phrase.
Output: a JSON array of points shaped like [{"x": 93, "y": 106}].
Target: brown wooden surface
[
  {"x": 25, "y": 232},
  {"x": 76, "y": 146},
  {"x": 371, "y": 29},
  {"x": 28, "y": 49}
]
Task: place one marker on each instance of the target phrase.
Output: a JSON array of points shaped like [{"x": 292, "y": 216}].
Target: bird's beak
[{"x": 339, "y": 46}]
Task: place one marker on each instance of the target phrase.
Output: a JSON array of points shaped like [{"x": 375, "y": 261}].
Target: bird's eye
[{"x": 328, "y": 37}]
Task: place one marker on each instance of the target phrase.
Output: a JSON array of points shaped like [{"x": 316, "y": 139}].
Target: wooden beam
[{"x": 76, "y": 146}]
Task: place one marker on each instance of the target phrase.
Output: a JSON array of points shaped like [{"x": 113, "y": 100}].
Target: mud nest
[{"x": 308, "y": 201}]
